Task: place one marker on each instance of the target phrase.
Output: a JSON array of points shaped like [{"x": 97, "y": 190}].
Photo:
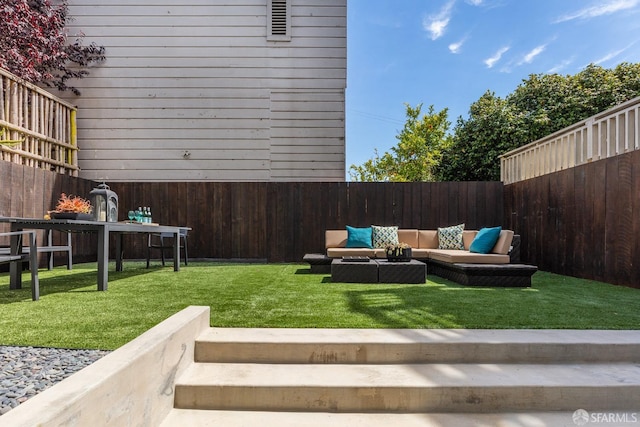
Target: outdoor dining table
[{"x": 103, "y": 230}]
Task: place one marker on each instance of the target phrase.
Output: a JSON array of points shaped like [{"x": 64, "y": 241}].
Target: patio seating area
[
  {"x": 499, "y": 265},
  {"x": 104, "y": 231}
]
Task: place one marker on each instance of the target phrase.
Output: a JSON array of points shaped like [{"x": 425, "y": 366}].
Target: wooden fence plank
[
  {"x": 581, "y": 225},
  {"x": 569, "y": 220},
  {"x": 623, "y": 210}
]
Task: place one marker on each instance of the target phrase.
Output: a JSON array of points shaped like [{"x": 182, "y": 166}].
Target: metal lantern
[{"x": 105, "y": 203}]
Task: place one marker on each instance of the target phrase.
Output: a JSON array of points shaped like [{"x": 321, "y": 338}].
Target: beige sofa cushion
[
  {"x": 454, "y": 256},
  {"x": 335, "y": 238},
  {"x": 503, "y": 244},
  {"x": 428, "y": 239},
  {"x": 408, "y": 236},
  {"x": 420, "y": 253},
  {"x": 467, "y": 238}
]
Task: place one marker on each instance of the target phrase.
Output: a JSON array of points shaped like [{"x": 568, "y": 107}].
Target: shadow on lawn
[
  {"x": 398, "y": 307},
  {"x": 434, "y": 305},
  {"x": 61, "y": 281}
]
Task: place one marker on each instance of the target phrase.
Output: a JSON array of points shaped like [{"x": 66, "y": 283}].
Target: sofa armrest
[
  {"x": 504, "y": 242},
  {"x": 514, "y": 251}
]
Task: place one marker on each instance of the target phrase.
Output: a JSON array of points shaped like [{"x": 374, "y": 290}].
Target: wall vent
[{"x": 279, "y": 20}]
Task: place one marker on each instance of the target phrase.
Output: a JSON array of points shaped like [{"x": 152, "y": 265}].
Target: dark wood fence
[
  {"x": 280, "y": 222},
  {"x": 276, "y": 222},
  {"x": 582, "y": 222},
  {"x": 31, "y": 192}
]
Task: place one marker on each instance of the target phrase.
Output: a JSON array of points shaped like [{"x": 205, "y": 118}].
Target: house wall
[{"x": 195, "y": 90}]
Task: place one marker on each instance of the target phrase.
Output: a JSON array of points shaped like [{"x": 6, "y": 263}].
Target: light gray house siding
[{"x": 198, "y": 90}]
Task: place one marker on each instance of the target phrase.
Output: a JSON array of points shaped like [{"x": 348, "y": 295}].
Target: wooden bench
[{"x": 15, "y": 256}]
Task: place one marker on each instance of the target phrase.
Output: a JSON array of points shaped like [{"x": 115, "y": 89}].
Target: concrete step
[
  {"x": 340, "y": 377},
  {"x": 196, "y": 418},
  {"x": 415, "y": 346},
  {"x": 436, "y": 387}
]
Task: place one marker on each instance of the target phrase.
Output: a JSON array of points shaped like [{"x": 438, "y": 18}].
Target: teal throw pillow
[
  {"x": 383, "y": 236},
  {"x": 485, "y": 240},
  {"x": 358, "y": 237},
  {"x": 451, "y": 237}
]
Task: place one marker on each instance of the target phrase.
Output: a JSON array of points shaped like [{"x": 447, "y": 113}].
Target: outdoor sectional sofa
[{"x": 499, "y": 267}]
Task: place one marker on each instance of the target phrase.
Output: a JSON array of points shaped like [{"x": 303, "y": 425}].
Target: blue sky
[{"x": 447, "y": 53}]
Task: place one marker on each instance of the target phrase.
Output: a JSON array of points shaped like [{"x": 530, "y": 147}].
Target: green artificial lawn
[{"x": 71, "y": 313}]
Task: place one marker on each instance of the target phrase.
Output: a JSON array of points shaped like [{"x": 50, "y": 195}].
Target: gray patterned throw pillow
[
  {"x": 383, "y": 236},
  {"x": 451, "y": 237}
]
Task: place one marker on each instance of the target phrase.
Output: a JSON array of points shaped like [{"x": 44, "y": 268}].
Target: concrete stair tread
[
  {"x": 420, "y": 336},
  {"x": 424, "y": 388},
  {"x": 408, "y": 377},
  {"x": 415, "y": 346},
  {"x": 412, "y": 375},
  {"x": 200, "y": 418}
]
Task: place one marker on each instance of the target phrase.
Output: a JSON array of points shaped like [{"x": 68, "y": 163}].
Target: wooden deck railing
[
  {"x": 612, "y": 132},
  {"x": 37, "y": 129}
]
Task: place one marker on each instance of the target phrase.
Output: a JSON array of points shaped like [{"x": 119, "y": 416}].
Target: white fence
[
  {"x": 37, "y": 129},
  {"x": 612, "y": 132}
]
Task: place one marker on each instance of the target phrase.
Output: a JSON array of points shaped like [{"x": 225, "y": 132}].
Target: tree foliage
[
  {"x": 34, "y": 44},
  {"x": 478, "y": 141},
  {"x": 539, "y": 106},
  {"x": 417, "y": 153}
]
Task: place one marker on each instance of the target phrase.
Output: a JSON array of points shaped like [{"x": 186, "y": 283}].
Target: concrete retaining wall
[{"x": 132, "y": 386}]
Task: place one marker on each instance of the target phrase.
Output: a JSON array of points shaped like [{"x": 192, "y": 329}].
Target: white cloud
[
  {"x": 609, "y": 56},
  {"x": 455, "y": 47},
  {"x": 491, "y": 61},
  {"x": 561, "y": 66},
  {"x": 475, "y": 2},
  {"x": 437, "y": 24},
  {"x": 529, "y": 57},
  {"x": 609, "y": 7}
]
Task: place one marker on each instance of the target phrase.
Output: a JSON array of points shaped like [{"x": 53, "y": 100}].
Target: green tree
[
  {"x": 418, "y": 152},
  {"x": 492, "y": 129},
  {"x": 539, "y": 106}
]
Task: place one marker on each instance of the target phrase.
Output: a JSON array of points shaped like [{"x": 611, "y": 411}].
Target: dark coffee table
[
  {"x": 401, "y": 272},
  {"x": 343, "y": 270}
]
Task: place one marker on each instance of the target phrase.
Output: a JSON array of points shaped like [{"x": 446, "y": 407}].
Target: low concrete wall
[{"x": 132, "y": 386}]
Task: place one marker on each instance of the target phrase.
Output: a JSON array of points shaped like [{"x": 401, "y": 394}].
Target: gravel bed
[{"x": 26, "y": 371}]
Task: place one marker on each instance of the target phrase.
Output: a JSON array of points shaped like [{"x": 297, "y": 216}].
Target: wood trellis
[{"x": 37, "y": 129}]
